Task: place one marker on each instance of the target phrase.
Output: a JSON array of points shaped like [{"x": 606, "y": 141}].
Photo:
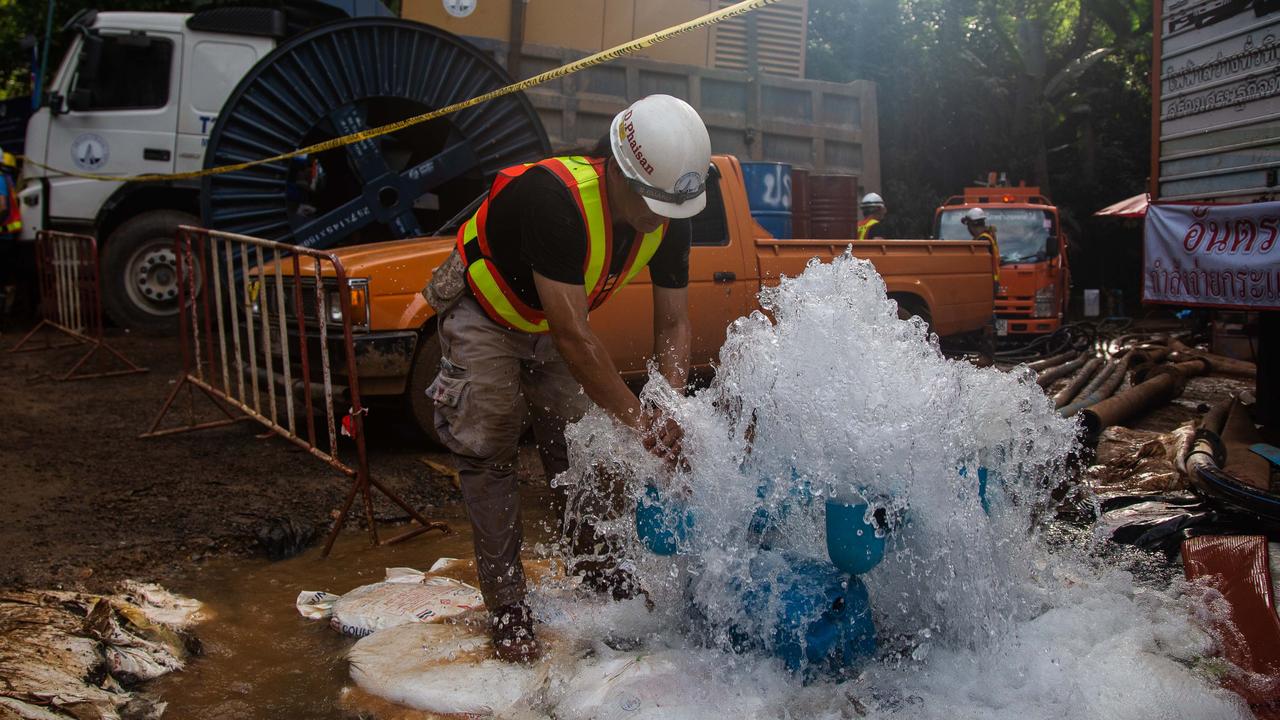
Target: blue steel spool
[{"x": 769, "y": 195}]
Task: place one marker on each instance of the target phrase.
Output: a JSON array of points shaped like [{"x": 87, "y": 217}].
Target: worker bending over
[
  {"x": 552, "y": 241},
  {"x": 874, "y": 212}
]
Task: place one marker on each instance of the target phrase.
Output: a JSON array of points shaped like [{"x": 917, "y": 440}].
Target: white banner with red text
[{"x": 1213, "y": 255}]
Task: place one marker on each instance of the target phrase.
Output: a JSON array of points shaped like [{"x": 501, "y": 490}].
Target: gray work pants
[{"x": 492, "y": 381}]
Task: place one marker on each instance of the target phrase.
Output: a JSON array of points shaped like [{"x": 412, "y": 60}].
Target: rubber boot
[{"x": 511, "y": 627}]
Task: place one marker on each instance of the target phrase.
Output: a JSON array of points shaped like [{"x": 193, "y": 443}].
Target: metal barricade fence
[
  {"x": 71, "y": 301},
  {"x": 260, "y": 325}
]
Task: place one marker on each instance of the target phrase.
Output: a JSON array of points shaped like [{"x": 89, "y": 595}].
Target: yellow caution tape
[{"x": 613, "y": 53}]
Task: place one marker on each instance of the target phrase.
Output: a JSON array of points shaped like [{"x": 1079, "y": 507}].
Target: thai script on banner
[
  {"x": 1220, "y": 255},
  {"x": 1251, "y": 90},
  {"x": 1251, "y": 58}
]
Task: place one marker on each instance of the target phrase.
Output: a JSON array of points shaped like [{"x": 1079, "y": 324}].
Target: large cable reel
[{"x": 349, "y": 76}]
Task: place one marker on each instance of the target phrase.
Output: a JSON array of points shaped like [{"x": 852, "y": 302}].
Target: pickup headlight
[
  {"x": 1045, "y": 305},
  {"x": 356, "y": 302}
]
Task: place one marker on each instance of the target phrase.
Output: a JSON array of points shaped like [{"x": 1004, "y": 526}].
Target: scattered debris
[{"x": 76, "y": 655}]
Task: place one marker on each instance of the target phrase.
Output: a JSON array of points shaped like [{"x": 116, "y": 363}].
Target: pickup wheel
[
  {"x": 421, "y": 408},
  {"x": 140, "y": 274},
  {"x": 908, "y": 307}
]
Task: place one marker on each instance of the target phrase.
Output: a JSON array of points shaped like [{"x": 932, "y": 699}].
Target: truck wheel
[
  {"x": 140, "y": 274},
  {"x": 421, "y": 408},
  {"x": 908, "y": 307}
]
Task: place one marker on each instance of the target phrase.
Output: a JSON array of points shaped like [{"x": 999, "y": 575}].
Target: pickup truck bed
[{"x": 946, "y": 282}]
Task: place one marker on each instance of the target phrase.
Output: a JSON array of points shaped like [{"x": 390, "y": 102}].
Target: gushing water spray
[
  {"x": 828, "y": 399},
  {"x": 836, "y": 434}
]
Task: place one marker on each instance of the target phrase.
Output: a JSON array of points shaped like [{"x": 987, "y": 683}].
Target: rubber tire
[
  {"x": 908, "y": 307},
  {"x": 115, "y": 255},
  {"x": 422, "y": 409}
]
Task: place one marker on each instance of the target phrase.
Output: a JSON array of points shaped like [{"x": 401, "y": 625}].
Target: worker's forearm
[
  {"x": 594, "y": 370},
  {"x": 671, "y": 345}
]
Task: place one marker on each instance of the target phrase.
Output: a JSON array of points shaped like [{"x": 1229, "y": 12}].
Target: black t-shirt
[{"x": 535, "y": 224}]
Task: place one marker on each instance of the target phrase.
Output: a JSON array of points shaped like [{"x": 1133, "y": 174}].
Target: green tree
[{"x": 1051, "y": 91}]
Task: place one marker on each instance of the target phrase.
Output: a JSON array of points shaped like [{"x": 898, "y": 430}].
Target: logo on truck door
[{"x": 90, "y": 152}]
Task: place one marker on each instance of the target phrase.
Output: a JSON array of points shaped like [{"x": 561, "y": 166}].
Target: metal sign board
[{"x": 1216, "y": 124}]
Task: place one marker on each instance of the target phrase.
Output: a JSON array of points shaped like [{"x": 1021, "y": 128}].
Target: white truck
[{"x": 139, "y": 92}]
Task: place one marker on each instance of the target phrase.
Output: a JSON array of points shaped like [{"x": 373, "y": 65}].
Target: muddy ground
[{"x": 87, "y": 503}]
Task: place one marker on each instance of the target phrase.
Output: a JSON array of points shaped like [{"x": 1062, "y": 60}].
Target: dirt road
[{"x": 87, "y": 503}]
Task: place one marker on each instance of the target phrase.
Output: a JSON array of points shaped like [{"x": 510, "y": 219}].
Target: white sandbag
[
  {"x": 650, "y": 686},
  {"x": 538, "y": 571},
  {"x": 445, "y": 668},
  {"x": 406, "y": 596}
]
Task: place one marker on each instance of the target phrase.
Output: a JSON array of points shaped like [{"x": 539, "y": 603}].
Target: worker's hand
[{"x": 661, "y": 435}]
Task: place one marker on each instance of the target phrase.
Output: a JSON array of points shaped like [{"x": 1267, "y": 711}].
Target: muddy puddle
[{"x": 262, "y": 660}]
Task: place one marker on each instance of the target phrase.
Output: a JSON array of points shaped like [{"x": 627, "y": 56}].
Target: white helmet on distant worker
[
  {"x": 975, "y": 215},
  {"x": 664, "y": 151},
  {"x": 871, "y": 200}
]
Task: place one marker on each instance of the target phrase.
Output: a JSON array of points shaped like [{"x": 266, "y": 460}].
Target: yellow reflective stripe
[
  {"x": 593, "y": 210},
  {"x": 488, "y": 286},
  {"x": 648, "y": 248}
]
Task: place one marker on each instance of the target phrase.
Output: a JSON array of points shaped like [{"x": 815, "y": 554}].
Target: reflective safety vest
[
  {"x": 11, "y": 220},
  {"x": 990, "y": 236},
  {"x": 582, "y": 177},
  {"x": 864, "y": 227}
]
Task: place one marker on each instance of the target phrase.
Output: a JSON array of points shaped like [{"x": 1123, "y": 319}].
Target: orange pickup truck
[{"x": 947, "y": 283}]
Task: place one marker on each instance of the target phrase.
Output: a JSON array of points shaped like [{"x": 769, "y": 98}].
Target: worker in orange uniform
[
  {"x": 976, "y": 222},
  {"x": 552, "y": 241}
]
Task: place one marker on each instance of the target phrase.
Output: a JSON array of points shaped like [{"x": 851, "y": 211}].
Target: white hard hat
[
  {"x": 663, "y": 149},
  {"x": 975, "y": 215},
  {"x": 872, "y": 200}
]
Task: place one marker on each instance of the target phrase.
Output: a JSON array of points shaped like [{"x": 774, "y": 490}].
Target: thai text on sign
[{"x": 1214, "y": 255}]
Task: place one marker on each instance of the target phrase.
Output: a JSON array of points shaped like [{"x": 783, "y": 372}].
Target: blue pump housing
[
  {"x": 824, "y": 623},
  {"x": 663, "y": 525}
]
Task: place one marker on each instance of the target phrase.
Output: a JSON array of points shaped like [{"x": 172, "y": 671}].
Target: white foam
[{"x": 976, "y": 615}]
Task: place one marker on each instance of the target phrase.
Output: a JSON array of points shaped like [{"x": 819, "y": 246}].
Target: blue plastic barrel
[{"x": 769, "y": 195}]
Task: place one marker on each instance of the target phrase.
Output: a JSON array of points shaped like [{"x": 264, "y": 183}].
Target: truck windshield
[{"x": 1023, "y": 234}]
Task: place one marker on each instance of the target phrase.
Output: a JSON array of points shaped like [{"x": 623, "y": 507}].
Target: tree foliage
[{"x": 1053, "y": 92}]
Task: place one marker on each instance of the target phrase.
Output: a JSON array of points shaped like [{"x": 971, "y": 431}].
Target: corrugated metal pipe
[
  {"x": 1049, "y": 362},
  {"x": 1162, "y": 385},
  {"x": 1219, "y": 364},
  {"x": 1078, "y": 382},
  {"x": 1048, "y": 377},
  {"x": 1102, "y": 386}
]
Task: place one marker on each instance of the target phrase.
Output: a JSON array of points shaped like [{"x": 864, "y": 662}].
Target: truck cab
[
  {"x": 138, "y": 93},
  {"x": 1035, "y": 278}
]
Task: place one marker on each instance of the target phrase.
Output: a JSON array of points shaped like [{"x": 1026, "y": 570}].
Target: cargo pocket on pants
[{"x": 447, "y": 391}]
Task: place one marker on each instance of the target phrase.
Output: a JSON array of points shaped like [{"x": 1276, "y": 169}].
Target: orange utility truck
[
  {"x": 1035, "y": 277},
  {"x": 946, "y": 283}
]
